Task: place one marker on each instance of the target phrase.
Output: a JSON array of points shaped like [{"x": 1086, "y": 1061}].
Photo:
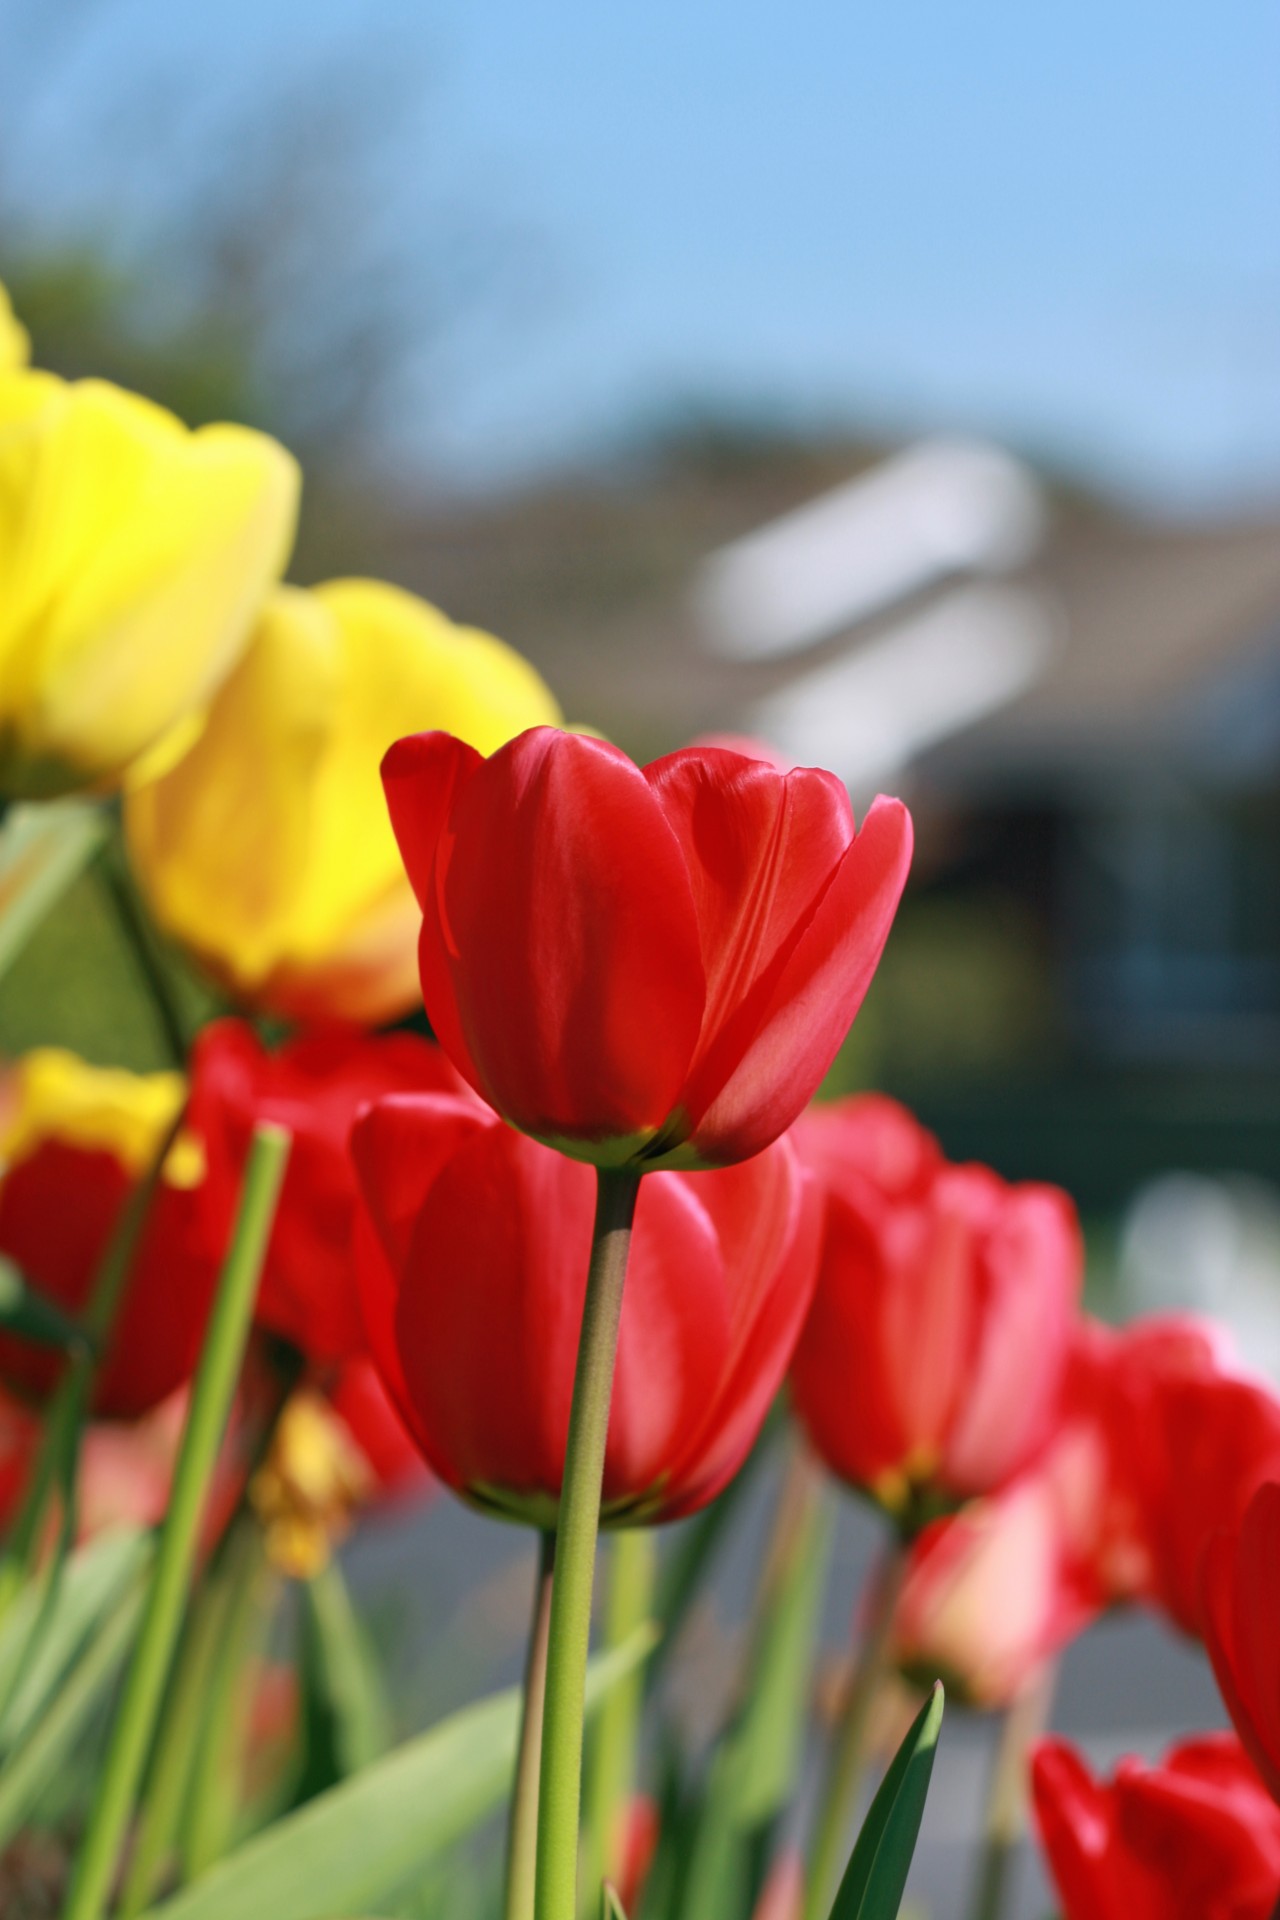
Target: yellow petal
[
  {"x": 54, "y": 1095},
  {"x": 223, "y": 842},
  {"x": 268, "y": 849},
  {"x": 135, "y": 555}
]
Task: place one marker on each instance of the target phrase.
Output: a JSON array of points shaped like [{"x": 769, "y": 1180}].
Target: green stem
[
  {"x": 522, "y": 1824},
  {"x": 211, "y": 1395},
  {"x": 633, "y": 1565},
  {"x": 578, "y": 1522},
  {"x": 1005, "y": 1821},
  {"x": 849, "y": 1747}
]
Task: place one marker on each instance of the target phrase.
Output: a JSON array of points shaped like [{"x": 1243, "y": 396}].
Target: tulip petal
[
  {"x": 420, "y": 776},
  {"x": 1034, "y": 1266},
  {"x": 769, "y": 1240},
  {"x": 134, "y": 556},
  {"x": 1239, "y": 1584},
  {"x": 768, "y": 1061},
  {"x": 841, "y": 1362},
  {"x": 760, "y": 847},
  {"x": 562, "y": 913},
  {"x": 1076, "y": 1824},
  {"x": 674, "y": 1343},
  {"x": 214, "y": 877}
]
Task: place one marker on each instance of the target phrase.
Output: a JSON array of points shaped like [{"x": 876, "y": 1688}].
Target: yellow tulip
[
  {"x": 15, "y": 342},
  {"x": 52, "y": 1095},
  {"x": 134, "y": 556},
  {"x": 268, "y": 850}
]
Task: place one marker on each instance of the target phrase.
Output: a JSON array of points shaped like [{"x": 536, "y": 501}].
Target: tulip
[
  {"x": 15, "y": 343},
  {"x": 1090, "y": 1457},
  {"x": 991, "y": 1595},
  {"x": 1240, "y": 1588},
  {"x": 930, "y": 1367},
  {"x": 648, "y": 967},
  {"x": 267, "y": 850},
  {"x": 314, "y": 1086},
  {"x": 1198, "y": 1446},
  {"x": 472, "y": 1272},
  {"x": 78, "y": 1139},
  {"x": 1195, "y": 1838},
  {"x": 134, "y": 556}
]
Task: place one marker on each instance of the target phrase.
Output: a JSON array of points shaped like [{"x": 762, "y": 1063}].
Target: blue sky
[{"x": 1058, "y": 223}]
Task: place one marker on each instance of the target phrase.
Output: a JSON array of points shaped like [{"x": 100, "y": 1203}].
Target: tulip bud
[
  {"x": 931, "y": 1364},
  {"x": 134, "y": 556},
  {"x": 645, "y": 967},
  {"x": 472, "y": 1261},
  {"x": 991, "y": 1595},
  {"x": 267, "y": 850}
]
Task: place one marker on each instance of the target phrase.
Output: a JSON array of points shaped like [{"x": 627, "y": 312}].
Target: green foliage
[
  {"x": 876, "y": 1876},
  {"x": 352, "y": 1848},
  {"x": 346, "y": 1714}
]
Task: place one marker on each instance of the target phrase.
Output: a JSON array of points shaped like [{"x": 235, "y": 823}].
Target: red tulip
[
  {"x": 1195, "y": 1838},
  {"x": 1240, "y": 1581},
  {"x": 992, "y": 1594},
  {"x": 995, "y": 1591},
  {"x": 931, "y": 1362},
  {"x": 1198, "y": 1447},
  {"x": 472, "y": 1272},
  {"x": 82, "y": 1139},
  {"x": 1090, "y": 1456},
  {"x": 314, "y": 1086},
  {"x": 652, "y": 966}
]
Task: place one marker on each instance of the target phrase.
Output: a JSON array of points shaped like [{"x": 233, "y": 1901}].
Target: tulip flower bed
[{"x": 500, "y": 1171}]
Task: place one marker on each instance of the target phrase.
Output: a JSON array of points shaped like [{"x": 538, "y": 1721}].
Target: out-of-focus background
[{"x": 901, "y": 385}]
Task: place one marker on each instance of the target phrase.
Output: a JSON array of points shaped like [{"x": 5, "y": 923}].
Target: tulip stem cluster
[
  {"x": 522, "y": 1822},
  {"x": 849, "y": 1745},
  {"x": 211, "y": 1396},
  {"x": 560, "y": 1781}
]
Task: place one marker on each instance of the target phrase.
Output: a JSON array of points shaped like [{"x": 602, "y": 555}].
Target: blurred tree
[{"x": 242, "y": 252}]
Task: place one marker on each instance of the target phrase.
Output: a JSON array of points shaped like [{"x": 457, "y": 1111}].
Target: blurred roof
[{"x": 595, "y": 581}]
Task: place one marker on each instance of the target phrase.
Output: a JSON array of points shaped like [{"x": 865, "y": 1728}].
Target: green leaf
[
  {"x": 350, "y": 1848},
  {"x": 52, "y": 1737},
  {"x": 611, "y": 1907},
  {"x": 25, "y": 1311},
  {"x": 347, "y": 1715},
  {"x": 877, "y": 1872},
  {"x": 42, "y": 850},
  {"x": 35, "y": 1652}
]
